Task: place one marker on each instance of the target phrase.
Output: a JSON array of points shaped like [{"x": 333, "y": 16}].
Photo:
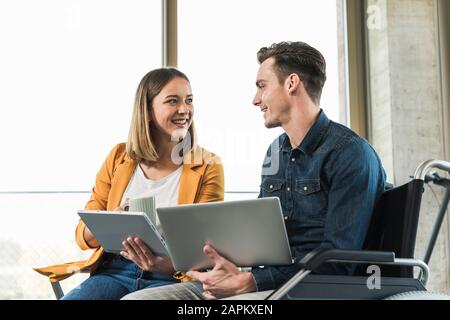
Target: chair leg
[{"x": 56, "y": 286}]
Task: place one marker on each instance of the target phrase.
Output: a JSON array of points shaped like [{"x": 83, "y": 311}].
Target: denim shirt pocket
[
  {"x": 309, "y": 198},
  {"x": 272, "y": 188}
]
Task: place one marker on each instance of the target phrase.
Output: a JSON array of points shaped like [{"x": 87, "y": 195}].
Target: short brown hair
[
  {"x": 300, "y": 58},
  {"x": 140, "y": 144}
]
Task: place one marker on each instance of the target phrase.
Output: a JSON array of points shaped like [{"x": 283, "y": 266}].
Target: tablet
[
  {"x": 249, "y": 233},
  {"x": 111, "y": 228}
]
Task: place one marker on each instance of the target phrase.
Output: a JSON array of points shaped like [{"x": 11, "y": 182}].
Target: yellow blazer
[{"x": 202, "y": 180}]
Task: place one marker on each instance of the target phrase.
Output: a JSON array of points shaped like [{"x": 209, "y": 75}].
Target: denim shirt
[{"x": 327, "y": 187}]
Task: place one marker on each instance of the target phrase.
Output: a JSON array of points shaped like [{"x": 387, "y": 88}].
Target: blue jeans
[{"x": 115, "y": 278}]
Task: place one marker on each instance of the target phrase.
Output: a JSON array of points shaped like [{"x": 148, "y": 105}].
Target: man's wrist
[{"x": 248, "y": 283}]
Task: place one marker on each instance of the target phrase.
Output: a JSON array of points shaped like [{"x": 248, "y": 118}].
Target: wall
[{"x": 406, "y": 105}]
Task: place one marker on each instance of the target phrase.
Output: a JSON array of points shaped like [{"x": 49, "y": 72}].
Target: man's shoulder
[
  {"x": 348, "y": 146},
  {"x": 342, "y": 137}
]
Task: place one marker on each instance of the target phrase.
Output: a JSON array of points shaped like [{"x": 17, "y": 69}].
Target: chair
[
  {"x": 57, "y": 289},
  {"x": 394, "y": 225},
  {"x": 56, "y": 285},
  {"x": 392, "y": 233}
]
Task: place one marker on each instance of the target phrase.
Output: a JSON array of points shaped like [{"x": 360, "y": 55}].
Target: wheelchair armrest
[{"x": 315, "y": 258}]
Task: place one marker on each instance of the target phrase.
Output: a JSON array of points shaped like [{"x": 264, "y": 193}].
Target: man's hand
[
  {"x": 224, "y": 280},
  {"x": 138, "y": 252}
]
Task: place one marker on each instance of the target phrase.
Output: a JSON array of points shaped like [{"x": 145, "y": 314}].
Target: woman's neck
[{"x": 164, "y": 146}]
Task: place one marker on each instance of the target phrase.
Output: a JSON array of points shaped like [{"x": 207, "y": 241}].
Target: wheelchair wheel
[{"x": 419, "y": 295}]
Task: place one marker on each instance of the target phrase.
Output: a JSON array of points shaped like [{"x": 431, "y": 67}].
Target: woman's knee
[{"x": 97, "y": 287}]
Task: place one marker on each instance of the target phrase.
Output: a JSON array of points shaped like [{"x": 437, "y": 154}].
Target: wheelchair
[{"x": 388, "y": 248}]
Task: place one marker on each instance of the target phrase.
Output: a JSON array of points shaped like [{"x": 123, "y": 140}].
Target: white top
[{"x": 165, "y": 190}]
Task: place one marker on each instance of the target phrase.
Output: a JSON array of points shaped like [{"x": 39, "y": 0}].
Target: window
[
  {"x": 69, "y": 71},
  {"x": 218, "y": 41}
]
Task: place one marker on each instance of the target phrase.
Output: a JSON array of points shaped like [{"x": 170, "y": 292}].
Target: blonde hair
[{"x": 140, "y": 144}]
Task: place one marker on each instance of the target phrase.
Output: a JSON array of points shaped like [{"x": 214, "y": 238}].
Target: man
[{"x": 327, "y": 178}]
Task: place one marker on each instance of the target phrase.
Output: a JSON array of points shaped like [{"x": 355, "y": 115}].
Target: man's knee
[
  {"x": 145, "y": 294},
  {"x": 179, "y": 291},
  {"x": 259, "y": 295}
]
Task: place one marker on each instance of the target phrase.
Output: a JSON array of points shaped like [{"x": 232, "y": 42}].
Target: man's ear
[{"x": 293, "y": 83}]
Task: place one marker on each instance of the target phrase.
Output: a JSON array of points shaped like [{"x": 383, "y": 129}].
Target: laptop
[{"x": 249, "y": 233}]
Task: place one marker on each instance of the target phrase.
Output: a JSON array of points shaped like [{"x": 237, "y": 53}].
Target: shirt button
[
  {"x": 305, "y": 188},
  {"x": 271, "y": 186},
  {"x": 293, "y": 159},
  {"x": 285, "y": 217},
  {"x": 288, "y": 189}
]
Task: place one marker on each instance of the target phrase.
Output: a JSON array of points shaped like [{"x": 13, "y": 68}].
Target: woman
[{"x": 160, "y": 159}]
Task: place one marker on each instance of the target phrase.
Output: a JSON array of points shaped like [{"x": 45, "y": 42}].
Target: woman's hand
[
  {"x": 89, "y": 238},
  {"x": 123, "y": 206},
  {"x": 138, "y": 252}
]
